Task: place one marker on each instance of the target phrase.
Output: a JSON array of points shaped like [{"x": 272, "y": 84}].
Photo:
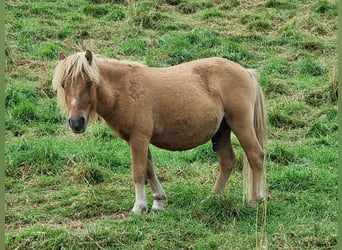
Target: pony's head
[{"x": 75, "y": 79}]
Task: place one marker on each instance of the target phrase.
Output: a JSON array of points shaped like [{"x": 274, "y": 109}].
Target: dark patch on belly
[{"x": 218, "y": 134}]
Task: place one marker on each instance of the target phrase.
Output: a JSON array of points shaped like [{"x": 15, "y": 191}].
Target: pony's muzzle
[{"x": 77, "y": 125}]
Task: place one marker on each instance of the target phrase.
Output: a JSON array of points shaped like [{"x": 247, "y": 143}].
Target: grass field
[{"x": 66, "y": 191}]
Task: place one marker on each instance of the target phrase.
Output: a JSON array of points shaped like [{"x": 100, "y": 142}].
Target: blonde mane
[{"x": 68, "y": 70}]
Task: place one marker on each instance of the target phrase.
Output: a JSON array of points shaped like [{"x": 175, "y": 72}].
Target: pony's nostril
[{"x": 81, "y": 121}]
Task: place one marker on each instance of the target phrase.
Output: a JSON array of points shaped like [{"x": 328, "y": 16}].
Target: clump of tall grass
[
  {"x": 334, "y": 85},
  {"x": 327, "y": 93},
  {"x": 96, "y": 11},
  {"x": 144, "y": 13},
  {"x": 190, "y": 7},
  {"x": 325, "y": 7},
  {"x": 309, "y": 65}
]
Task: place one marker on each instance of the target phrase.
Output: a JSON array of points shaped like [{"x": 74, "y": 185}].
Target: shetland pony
[{"x": 173, "y": 108}]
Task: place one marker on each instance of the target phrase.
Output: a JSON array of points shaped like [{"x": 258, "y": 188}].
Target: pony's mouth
[
  {"x": 78, "y": 125},
  {"x": 78, "y": 131}
]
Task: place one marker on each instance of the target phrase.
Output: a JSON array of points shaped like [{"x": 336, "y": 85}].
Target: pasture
[{"x": 67, "y": 191}]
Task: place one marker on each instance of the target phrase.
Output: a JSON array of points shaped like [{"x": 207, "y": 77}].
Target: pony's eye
[
  {"x": 89, "y": 84},
  {"x": 63, "y": 85}
]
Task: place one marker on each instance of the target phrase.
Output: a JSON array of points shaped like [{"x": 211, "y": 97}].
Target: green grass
[{"x": 66, "y": 191}]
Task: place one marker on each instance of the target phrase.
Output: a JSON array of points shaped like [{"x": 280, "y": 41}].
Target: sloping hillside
[{"x": 66, "y": 191}]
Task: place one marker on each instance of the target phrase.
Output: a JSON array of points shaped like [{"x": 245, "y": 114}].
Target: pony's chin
[{"x": 81, "y": 131}]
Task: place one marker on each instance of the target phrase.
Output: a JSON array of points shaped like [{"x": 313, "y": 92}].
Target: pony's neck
[
  {"x": 107, "y": 90},
  {"x": 112, "y": 86}
]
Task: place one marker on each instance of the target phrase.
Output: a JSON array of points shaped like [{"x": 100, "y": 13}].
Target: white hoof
[
  {"x": 158, "y": 205},
  {"x": 139, "y": 209}
]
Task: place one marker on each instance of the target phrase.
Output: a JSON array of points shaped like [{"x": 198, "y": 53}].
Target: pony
[{"x": 174, "y": 108}]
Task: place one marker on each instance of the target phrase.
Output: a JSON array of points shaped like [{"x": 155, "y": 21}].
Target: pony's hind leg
[
  {"x": 242, "y": 126},
  {"x": 158, "y": 193},
  {"x": 225, "y": 155}
]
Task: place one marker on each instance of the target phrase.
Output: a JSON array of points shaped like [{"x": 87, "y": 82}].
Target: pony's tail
[{"x": 260, "y": 128}]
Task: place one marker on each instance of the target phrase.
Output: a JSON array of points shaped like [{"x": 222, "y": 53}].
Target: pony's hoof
[
  {"x": 158, "y": 205},
  {"x": 254, "y": 203},
  {"x": 139, "y": 210}
]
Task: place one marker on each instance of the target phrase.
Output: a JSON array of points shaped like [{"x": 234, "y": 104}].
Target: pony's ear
[
  {"x": 89, "y": 56},
  {"x": 61, "y": 56}
]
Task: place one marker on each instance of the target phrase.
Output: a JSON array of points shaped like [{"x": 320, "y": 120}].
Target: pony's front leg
[
  {"x": 140, "y": 205},
  {"x": 139, "y": 151}
]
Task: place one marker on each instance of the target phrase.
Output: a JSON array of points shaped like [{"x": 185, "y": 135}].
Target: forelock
[{"x": 72, "y": 67}]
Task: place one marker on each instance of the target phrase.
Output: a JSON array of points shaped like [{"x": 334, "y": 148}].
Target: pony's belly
[
  {"x": 178, "y": 138},
  {"x": 179, "y": 142},
  {"x": 187, "y": 121}
]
